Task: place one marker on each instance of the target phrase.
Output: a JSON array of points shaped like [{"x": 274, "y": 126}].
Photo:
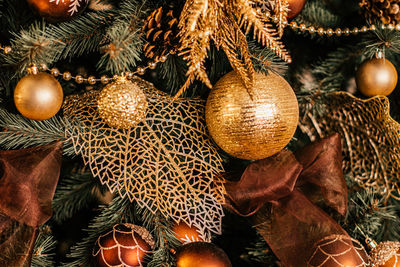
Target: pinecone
[
  {"x": 161, "y": 30},
  {"x": 388, "y": 11}
]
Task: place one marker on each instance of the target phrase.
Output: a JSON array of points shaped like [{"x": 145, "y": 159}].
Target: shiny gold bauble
[
  {"x": 38, "y": 96},
  {"x": 124, "y": 245},
  {"x": 386, "y": 254},
  {"x": 376, "y": 76},
  {"x": 338, "y": 251},
  {"x": 201, "y": 254},
  {"x": 249, "y": 128},
  {"x": 122, "y": 104},
  {"x": 295, "y": 7},
  {"x": 186, "y": 233},
  {"x": 58, "y": 10}
]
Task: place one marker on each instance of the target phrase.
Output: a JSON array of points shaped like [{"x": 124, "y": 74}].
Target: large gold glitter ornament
[
  {"x": 38, "y": 96},
  {"x": 252, "y": 128},
  {"x": 122, "y": 104},
  {"x": 166, "y": 164},
  {"x": 386, "y": 254},
  {"x": 376, "y": 76},
  {"x": 370, "y": 137}
]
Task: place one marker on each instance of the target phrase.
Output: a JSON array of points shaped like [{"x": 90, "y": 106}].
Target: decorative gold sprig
[{"x": 221, "y": 21}]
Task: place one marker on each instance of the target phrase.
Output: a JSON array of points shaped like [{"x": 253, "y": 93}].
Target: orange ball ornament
[
  {"x": 386, "y": 254},
  {"x": 124, "y": 245},
  {"x": 186, "y": 233},
  {"x": 376, "y": 76},
  {"x": 338, "y": 251},
  {"x": 201, "y": 254},
  {"x": 295, "y": 7},
  {"x": 58, "y": 10},
  {"x": 38, "y": 96}
]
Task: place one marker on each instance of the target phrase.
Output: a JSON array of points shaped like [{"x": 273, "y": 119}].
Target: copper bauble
[
  {"x": 249, "y": 128},
  {"x": 338, "y": 251},
  {"x": 386, "y": 254},
  {"x": 58, "y": 10},
  {"x": 124, "y": 245},
  {"x": 186, "y": 233},
  {"x": 122, "y": 104},
  {"x": 38, "y": 96},
  {"x": 376, "y": 76},
  {"x": 295, "y": 7},
  {"x": 201, "y": 254}
]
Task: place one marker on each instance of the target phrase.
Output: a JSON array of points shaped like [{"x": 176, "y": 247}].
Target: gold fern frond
[
  {"x": 281, "y": 12},
  {"x": 234, "y": 44},
  {"x": 263, "y": 32}
]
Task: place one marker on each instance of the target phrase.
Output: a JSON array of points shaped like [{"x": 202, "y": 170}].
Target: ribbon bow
[
  {"x": 293, "y": 183},
  {"x": 28, "y": 180}
]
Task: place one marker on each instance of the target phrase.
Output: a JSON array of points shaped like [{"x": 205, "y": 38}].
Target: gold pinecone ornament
[
  {"x": 388, "y": 11},
  {"x": 161, "y": 29}
]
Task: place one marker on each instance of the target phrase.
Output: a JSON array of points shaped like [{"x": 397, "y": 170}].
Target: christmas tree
[{"x": 199, "y": 133}]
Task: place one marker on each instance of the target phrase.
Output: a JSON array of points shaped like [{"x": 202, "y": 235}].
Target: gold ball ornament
[
  {"x": 386, "y": 254},
  {"x": 58, "y": 10},
  {"x": 201, "y": 254},
  {"x": 249, "y": 128},
  {"x": 295, "y": 7},
  {"x": 125, "y": 245},
  {"x": 186, "y": 233},
  {"x": 122, "y": 104},
  {"x": 338, "y": 251},
  {"x": 38, "y": 96},
  {"x": 376, "y": 76}
]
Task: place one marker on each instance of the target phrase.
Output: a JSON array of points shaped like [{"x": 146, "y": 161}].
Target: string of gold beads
[
  {"x": 79, "y": 79},
  {"x": 338, "y": 31}
]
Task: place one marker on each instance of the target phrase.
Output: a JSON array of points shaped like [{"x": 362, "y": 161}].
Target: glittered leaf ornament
[
  {"x": 370, "y": 137},
  {"x": 166, "y": 163}
]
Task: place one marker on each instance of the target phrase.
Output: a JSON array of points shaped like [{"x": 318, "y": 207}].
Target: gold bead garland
[
  {"x": 338, "y": 31},
  {"x": 79, "y": 79}
]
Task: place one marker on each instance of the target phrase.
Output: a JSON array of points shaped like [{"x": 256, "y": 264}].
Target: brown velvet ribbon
[
  {"x": 293, "y": 184},
  {"x": 28, "y": 181}
]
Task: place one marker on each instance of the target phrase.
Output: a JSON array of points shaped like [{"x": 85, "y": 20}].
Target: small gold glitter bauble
[
  {"x": 376, "y": 76},
  {"x": 38, "y": 96},
  {"x": 386, "y": 254},
  {"x": 249, "y": 128},
  {"x": 122, "y": 104},
  {"x": 201, "y": 254}
]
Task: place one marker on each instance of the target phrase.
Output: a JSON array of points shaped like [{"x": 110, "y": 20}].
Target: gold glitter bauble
[
  {"x": 38, "y": 96},
  {"x": 376, "y": 76},
  {"x": 122, "y": 104},
  {"x": 386, "y": 254},
  {"x": 249, "y": 128}
]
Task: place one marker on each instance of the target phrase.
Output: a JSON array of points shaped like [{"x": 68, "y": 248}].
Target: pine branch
[
  {"x": 369, "y": 212},
  {"x": 73, "y": 194},
  {"x": 316, "y": 13},
  {"x": 122, "y": 44},
  {"x": 33, "y": 45},
  {"x": 43, "y": 252},
  {"x": 20, "y": 132},
  {"x": 387, "y": 41},
  {"x": 82, "y": 35}
]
